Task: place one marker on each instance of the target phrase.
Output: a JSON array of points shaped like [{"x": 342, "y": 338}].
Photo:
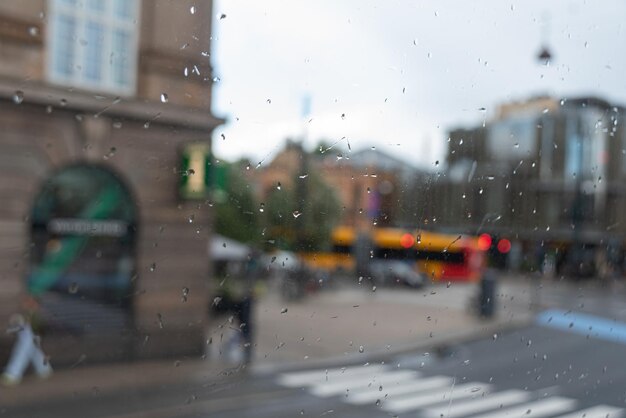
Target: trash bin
[{"x": 487, "y": 300}]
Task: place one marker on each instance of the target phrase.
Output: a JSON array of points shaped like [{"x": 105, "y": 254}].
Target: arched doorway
[{"x": 83, "y": 252}]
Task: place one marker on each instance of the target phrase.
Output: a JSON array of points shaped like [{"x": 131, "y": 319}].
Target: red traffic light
[
  {"x": 407, "y": 240},
  {"x": 504, "y": 245},
  {"x": 484, "y": 242}
]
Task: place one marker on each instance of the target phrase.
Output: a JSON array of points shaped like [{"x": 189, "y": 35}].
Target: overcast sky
[{"x": 398, "y": 75}]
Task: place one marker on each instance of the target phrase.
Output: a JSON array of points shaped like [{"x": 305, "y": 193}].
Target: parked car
[{"x": 391, "y": 272}]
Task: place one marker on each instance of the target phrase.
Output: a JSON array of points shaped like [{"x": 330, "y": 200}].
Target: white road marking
[
  {"x": 388, "y": 392},
  {"x": 308, "y": 378},
  {"x": 422, "y": 399},
  {"x": 600, "y": 411},
  {"x": 541, "y": 408},
  {"x": 474, "y": 406},
  {"x": 362, "y": 383}
]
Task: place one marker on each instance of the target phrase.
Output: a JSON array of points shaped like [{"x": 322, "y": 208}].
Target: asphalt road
[
  {"x": 537, "y": 371},
  {"x": 570, "y": 362}
]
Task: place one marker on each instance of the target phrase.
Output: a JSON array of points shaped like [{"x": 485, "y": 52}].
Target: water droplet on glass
[
  {"x": 111, "y": 153},
  {"x": 377, "y": 402},
  {"x": 160, "y": 320},
  {"x": 185, "y": 294},
  {"x": 278, "y": 186},
  {"x": 296, "y": 214},
  {"x": 164, "y": 98},
  {"x": 373, "y": 288},
  {"x": 222, "y": 16},
  {"x": 73, "y": 288},
  {"x": 192, "y": 10},
  {"x": 361, "y": 349},
  {"x": 495, "y": 337},
  {"x": 262, "y": 207},
  {"x": 190, "y": 172},
  {"x": 33, "y": 31},
  {"x": 152, "y": 266},
  {"x": 18, "y": 97},
  {"x": 448, "y": 284},
  {"x": 269, "y": 101},
  {"x": 63, "y": 102},
  {"x": 303, "y": 176},
  {"x": 191, "y": 218},
  {"x": 284, "y": 310}
]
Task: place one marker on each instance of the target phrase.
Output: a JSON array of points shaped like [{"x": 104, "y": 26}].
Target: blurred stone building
[
  {"x": 545, "y": 172},
  {"x": 106, "y": 122},
  {"x": 372, "y": 186}
]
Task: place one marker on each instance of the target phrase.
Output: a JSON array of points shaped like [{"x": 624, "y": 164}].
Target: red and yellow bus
[{"x": 443, "y": 257}]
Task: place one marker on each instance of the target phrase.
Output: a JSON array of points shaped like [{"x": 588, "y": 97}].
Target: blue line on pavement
[{"x": 584, "y": 324}]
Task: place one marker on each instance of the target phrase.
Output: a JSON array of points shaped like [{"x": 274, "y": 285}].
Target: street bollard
[{"x": 487, "y": 298}]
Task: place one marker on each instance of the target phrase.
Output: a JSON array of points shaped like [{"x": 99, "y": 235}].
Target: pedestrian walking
[{"x": 26, "y": 350}]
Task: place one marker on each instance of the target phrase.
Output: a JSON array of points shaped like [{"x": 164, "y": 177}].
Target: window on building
[{"x": 93, "y": 44}]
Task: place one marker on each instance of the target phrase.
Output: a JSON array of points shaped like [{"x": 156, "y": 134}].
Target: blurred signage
[
  {"x": 95, "y": 227},
  {"x": 195, "y": 171}
]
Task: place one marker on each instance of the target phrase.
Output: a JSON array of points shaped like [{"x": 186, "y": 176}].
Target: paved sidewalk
[
  {"x": 336, "y": 325},
  {"x": 355, "y": 322}
]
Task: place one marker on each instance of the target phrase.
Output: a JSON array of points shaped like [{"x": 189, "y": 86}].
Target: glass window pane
[
  {"x": 123, "y": 8},
  {"x": 64, "y": 45},
  {"x": 96, "y": 6},
  {"x": 94, "y": 34},
  {"x": 121, "y": 58}
]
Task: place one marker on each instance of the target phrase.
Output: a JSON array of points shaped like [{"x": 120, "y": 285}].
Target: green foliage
[
  {"x": 301, "y": 218},
  {"x": 237, "y": 216}
]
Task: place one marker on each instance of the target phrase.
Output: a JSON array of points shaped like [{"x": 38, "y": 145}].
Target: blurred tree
[
  {"x": 301, "y": 217},
  {"x": 237, "y": 214}
]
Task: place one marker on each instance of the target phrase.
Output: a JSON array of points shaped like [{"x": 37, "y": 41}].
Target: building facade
[
  {"x": 101, "y": 241},
  {"x": 548, "y": 173}
]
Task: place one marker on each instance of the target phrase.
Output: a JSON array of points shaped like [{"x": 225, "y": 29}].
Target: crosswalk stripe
[
  {"x": 423, "y": 399},
  {"x": 299, "y": 379},
  {"x": 373, "y": 394},
  {"x": 474, "y": 406},
  {"x": 600, "y": 411},
  {"x": 361, "y": 382},
  {"x": 537, "y": 409}
]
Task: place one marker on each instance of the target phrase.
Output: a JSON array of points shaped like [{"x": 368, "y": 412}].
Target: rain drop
[
  {"x": 296, "y": 214},
  {"x": 153, "y": 267},
  {"x": 164, "y": 98},
  {"x": 192, "y": 10},
  {"x": 262, "y": 207},
  {"x": 361, "y": 349},
  {"x": 18, "y": 97},
  {"x": 185, "y": 294},
  {"x": 284, "y": 310},
  {"x": 73, "y": 288}
]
